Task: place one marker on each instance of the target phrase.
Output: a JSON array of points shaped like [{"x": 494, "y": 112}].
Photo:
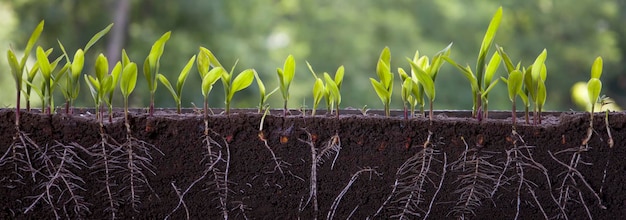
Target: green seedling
[
  {"x": 426, "y": 74},
  {"x": 51, "y": 77},
  {"x": 285, "y": 76},
  {"x": 103, "y": 84},
  {"x": 594, "y": 85},
  {"x": 262, "y": 92},
  {"x": 128, "y": 81},
  {"x": 241, "y": 81},
  {"x": 319, "y": 89},
  {"x": 384, "y": 87},
  {"x": 330, "y": 90},
  {"x": 534, "y": 81},
  {"x": 515, "y": 81},
  {"x": 72, "y": 84},
  {"x": 412, "y": 91},
  {"x": 182, "y": 77},
  {"x": 17, "y": 69},
  {"x": 208, "y": 80},
  {"x": 333, "y": 85},
  {"x": 482, "y": 80},
  {"x": 151, "y": 66}
]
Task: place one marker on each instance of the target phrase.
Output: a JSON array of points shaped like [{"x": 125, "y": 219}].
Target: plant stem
[
  {"x": 513, "y": 114},
  {"x": 227, "y": 107},
  {"x": 151, "y": 109},
  {"x": 285, "y": 108},
  {"x": 430, "y": 115}
]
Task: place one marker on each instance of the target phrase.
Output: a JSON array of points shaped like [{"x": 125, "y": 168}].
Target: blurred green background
[{"x": 328, "y": 33}]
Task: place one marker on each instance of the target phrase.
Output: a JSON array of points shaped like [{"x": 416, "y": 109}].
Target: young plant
[
  {"x": 182, "y": 77},
  {"x": 72, "y": 84},
  {"x": 51, "y": 77},
  {"x": 285, "y": 76},
  {"x": 208, "y": 80},
  {"x": 103, "y": 85},
  {"x": 426, "y": 74},
  {"x": 534, "y": 81},
  {"x": 127, "y": 85},
  {"x": 412, "y": 91},
  {"x": 330, "y": 90},
  {"x": 482, "y": 80},
  {"x": 384, "y": 87},
  {"x": 151, "y": 66},
  {"x": 594, "y": 86},
  {"x": 17, "y": 69},
  {"x": 263, "y": 97}
]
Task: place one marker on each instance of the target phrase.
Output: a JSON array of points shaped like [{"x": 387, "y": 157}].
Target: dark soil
[{"x": 257, "y": 190}]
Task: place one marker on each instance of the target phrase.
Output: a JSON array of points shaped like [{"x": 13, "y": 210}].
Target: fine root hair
[{"x": 355, "y": 176}]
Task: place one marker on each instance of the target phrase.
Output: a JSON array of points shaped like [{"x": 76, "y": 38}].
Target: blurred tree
[{"x": 327, "y": 33}]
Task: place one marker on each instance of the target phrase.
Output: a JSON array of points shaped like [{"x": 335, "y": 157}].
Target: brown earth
[{"x": 375, "y": 145}]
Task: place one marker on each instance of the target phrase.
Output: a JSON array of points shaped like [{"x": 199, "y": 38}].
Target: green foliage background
[{"x": 330, "y": 33}]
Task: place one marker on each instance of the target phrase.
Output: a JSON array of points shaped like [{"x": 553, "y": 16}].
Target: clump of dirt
[{"x": 304, "y": 167}]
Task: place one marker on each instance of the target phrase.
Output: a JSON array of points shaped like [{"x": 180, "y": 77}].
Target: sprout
[
  {"x": 17, "y": 70},
  {"x": 263, "y": 97},
  {"x": 384, "y": 87},
  {"x": 285, "y": 76},
  {"x": 182, "y": 77},
  {"x": 482, "y": 80},
  {"x": 514, "y": 82},
  {"x": 594, "y": 85},
  {"x": 127, "y": 85},
  {"x": 72, "y": 86},
  {"x": 208, "y": 80},
  {"x": 534, "y": 80},
  {"x": 103, "y": 85},
  {"x": 426, "y": 74},
  {"x": 151, "y": 66}
]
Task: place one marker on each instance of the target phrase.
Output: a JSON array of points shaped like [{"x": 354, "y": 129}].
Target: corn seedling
[
  {"x": 330, "y": 90},
  {"x": 330, "y": 148},
  {"x": 51, "y": 77},
  {"x": 384, "y": 87},
  {"x": 182, "y": 77},
  {"x": 241, "y": 81},
  {"x": 262, "y": 93},
  {"x": 18, "y": 154},
  {"x": 514, "y": 82},
  {"x": 151, "y": 66},
  {"x": 408, "y": 97},
  {"x": 208, "y": 80},
  {"x": 103, "y": 85},
  {"x": 482, "y": 80},
  {"x": 426, "y": 73},
  {"x": 534, "y": 81},
  {"x": 594, "y": 86},
  {"x": 413, "y": 179},
  {"x": 72, "y": 84},
  {"x": 285, "y": 76},
  {"x": 18, "y": 69}
]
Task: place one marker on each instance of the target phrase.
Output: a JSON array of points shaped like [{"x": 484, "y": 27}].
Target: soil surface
[{"x": 367, "y": 166}]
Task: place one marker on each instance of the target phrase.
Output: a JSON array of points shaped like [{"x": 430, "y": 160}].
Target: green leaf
[
  {"x": 125, "y": 59},
  {"x": 44, "y": 63},
  {"x": 97, "y": 37},
  {"x": 311, "y": 69},
  {"x": 128, "y": 79},
  {"x": 489, "y": 88},
  {"x": 514, "y": 84},
  {"x": 339, "y": 76},
  {"x": 537, "y": 65},
  {"x": 333, "y": 88},
  {"x": 381, "y": 91},
  {"x": 92, "y": 89},
  {"x": 102, "y": 67},
  {"x": 260, "y": 84},
  {"x": 505, "y": 59},
  {"x": 541, "y": 94},
  {"x": 168, "y": 85},
  {"x": 466, "y": 71},
  {"x": 494, "y": 24},
  {"x": 78, "y": 63},
  {"x": 596, "y": 68},
  {"x": 213, "y": 60},
  {"x": 115, "y": 73},
  {"x": 15, "y": 68},
  {"x": 210, "y": 79},
  {"x": 242, "y": 81},
  {"x": 31, "y": 43},
  {"x": 424, "y": 79},
  {"x": 403, "y": 74},
  {"x": 407, "y": 88},
  {"x": 289, "y": 71},
  {"x": 203, "y": 62},
  {"x": 492, "y": 67},
  {"x": 182, "y": 77},
  {"x": 594, "y": 86},
  {"x": 318, "y": 92},
  {"x": 157, "y": 49},
  {"x": 385, "y": 58},
  {"x": 148, "y": 73},
  {"x": 438, "y": 61}
]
